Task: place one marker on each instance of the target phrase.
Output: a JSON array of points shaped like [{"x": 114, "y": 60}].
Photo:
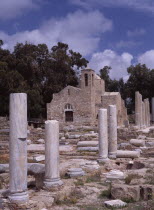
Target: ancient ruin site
[
  {"x": 76, "y": 104},
  {"x": 87, "y": 155}
]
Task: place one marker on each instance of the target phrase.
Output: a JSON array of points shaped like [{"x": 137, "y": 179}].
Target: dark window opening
[
  {"x": 68, "y": 116},
  {"x": 86, "y": 79}
]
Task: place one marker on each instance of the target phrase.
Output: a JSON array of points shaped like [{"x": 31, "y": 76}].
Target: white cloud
[
  {"x": 143, "y": 5},
  {"x": 80, "y": 30},
  {"x": 127, "y": 44},
  {"x": 12, "y": 8},
  {"x": 136, "y": 32},
  {"x": 147, "y": 58},
  {"x": 119, "y": 63}
]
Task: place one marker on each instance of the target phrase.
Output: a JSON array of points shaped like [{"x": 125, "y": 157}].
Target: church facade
[{"x": 79, "y": 106}]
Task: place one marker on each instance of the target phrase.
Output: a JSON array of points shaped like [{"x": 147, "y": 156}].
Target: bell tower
[{"x": 88, "y": 90}]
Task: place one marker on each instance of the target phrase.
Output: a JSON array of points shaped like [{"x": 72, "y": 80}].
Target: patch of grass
[
  {"x": 79, "y": 182},
  {"x": 130, "y": 177},
  {"x": 71, "y": 199},
  {"x": 106, "y": 193},
  {"x": 91, "y": 207},
  {"x": 96, "y": 177},
  {"x": 128, "y": 200}
]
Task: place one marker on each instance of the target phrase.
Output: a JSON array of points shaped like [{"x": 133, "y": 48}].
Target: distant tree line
[
  {"x": 140, "y": 78},
  {"x": 40, "y": 72}
]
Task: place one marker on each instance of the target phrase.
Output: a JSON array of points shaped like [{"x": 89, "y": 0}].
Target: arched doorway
[{"x": 68, "y": 113}]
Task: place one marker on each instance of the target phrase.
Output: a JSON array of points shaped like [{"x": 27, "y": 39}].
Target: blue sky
[{"x": 107, "y": 32}]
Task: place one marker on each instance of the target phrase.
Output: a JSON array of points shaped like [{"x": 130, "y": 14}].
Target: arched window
[
  {"x": 86, "y": 79},
  {"x": 68, "y": 107}
]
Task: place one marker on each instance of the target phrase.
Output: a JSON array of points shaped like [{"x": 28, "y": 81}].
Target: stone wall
[
  {"x": 114, "y": 98},
  {"x": 85, "y": 101}
]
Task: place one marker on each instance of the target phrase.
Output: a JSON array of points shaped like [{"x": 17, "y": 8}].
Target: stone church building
[{"x": 80, "y": 105}]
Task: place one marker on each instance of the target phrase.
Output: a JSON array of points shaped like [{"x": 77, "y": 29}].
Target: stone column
[
  {"x": 140, "y": 111},
  {"x": 18, "y": 148},
  {"x": 152, "y": 108},
  {"x": 137, "y": 121},
  {"x": 143, "y": 115},
  {"x": 52, "y": 177},
  {"x": 146, "y": 112},
  {"x": 112, "y": 131},
  {"x": 148, "y": 107},
  {"x": 103, "y": 135}
]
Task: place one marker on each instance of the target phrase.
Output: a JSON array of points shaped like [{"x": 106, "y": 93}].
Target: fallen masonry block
[
  {"x": 115, "y": 204},
  {"x": 127, "y": 154},
  {"x": 91, "y": 165},
  {"x": 138, "y": 142},
  {"x": 74, "y": 136},
  {"x": 147, "y": 192},
  {"x": 39, "y": 158},
  {"x": 75, "y": 172},
  {"x": 141, "y": 137},
  {"x": 90, "y": 149},
  {"x": 114, "y": 175},
  {"x": 87, "y": 143},
  {"x": 41, "y": 141},
  {"x": 125, "y": 192}
]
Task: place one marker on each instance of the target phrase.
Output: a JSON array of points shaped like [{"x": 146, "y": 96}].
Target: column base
[
  {"x": 20, "y": 197},
  {"x": 103, "y": 160},
  {"x": 112, "y": 155},
  {"x": 49, "y": 183}
]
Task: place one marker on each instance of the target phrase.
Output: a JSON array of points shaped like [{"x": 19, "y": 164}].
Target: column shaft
[
  {"x": 52, "y": 176},
  {"x": 112, "y": 131},
  {"x": 18, "y": 148},
  {"x": 103, "y": 135},
  {"x": 152, "y": 104}
]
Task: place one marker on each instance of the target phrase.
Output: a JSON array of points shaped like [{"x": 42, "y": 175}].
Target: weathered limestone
[
  {"x": 52, "y": 177},
  {"x": 87, "y": 143},
  {"x": 140, "y": 111},
  {"x": 146, "y": 113},
  {"x": 18, "y": 148},
  {"x": 137, "y": 109},
  {"x": 123, "y": 191},
  {"x": 115, "y": 204},
  {"x": 112, "y": 131},
  {"x": 148, "y": 108},
  {"x": 152, "y": 108},
  {"x": 114, "y": 175},
  {"x": 103, "y": 135},
  {"x": 75, "y": 172},
  {"x": 90, "y": 165},
  {"x": 138, "y": 142},
  {"x": 143, "y": 115},
  {"x": 127, "y": 154},
  {"x": 90, "y": 149}
]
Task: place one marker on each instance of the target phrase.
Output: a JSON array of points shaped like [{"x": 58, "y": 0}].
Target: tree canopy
[
  {"x": 140, "y": 78},
  {"x": 39, "y": 72}
]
